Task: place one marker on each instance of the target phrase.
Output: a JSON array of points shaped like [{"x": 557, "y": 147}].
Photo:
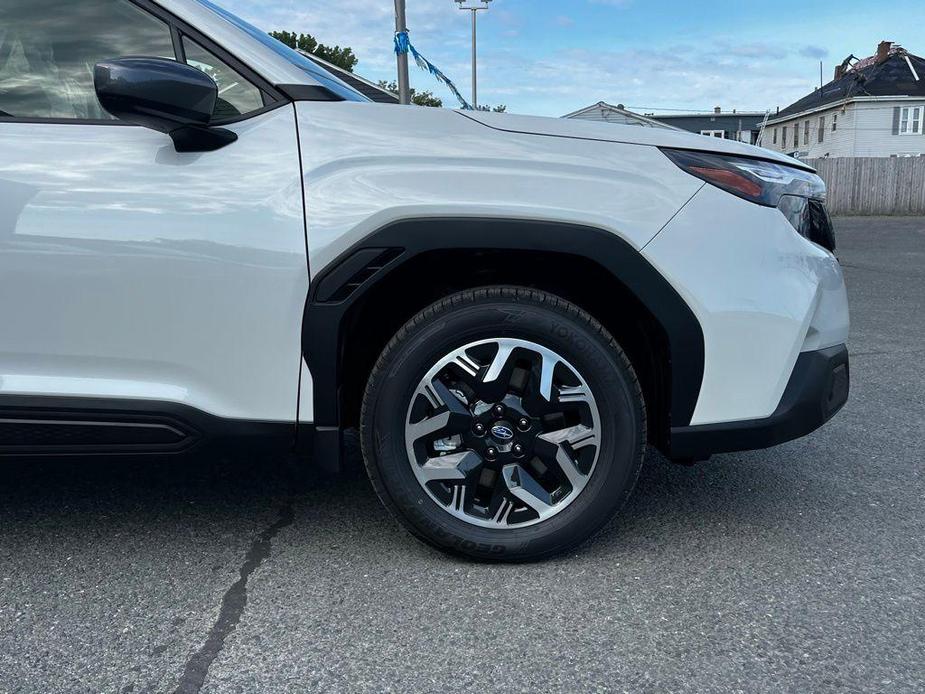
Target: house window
[
  {"x": 783, "y": 137},
  {"x": 910, "y": 120},
  {"x": 834, "y": 122},
  {"x": 821, "y": 128},
  {"x": 775, "y": 136},
  {"x": 714, "y": 133},
  {"x": 806, "y": 133}
]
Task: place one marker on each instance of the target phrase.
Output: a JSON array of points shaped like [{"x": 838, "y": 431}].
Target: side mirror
[{"x": 163, "y": 95}]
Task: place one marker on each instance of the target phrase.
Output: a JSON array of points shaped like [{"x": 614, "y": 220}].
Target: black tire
[{"x": 503, "y": 312}]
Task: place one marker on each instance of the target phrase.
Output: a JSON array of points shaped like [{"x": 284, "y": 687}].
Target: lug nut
[
  {"x": 498, "y": 410},
  {"x": 491, "y": 453},
  {"x": 523, "y": 424},
  {"x": 479, "y": 429},
  {"x": 518, "y": 450}
]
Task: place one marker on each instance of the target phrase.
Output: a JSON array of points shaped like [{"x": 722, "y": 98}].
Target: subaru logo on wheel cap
[{"x": 502, "y": 432}]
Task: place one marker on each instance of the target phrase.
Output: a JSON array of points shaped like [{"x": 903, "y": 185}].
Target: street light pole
[
  {"x": 474, "y": 9},
  {"x": 475, "y": 71},
  {"x": 404, "y": 83}
]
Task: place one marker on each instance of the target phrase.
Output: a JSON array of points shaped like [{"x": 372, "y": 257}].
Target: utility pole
[
  {"x": 474, "y": 9},
  {"x": 404, "y": 84}
]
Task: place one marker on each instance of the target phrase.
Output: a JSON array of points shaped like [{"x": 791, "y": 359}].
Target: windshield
[{"x": 318, "y": 73}]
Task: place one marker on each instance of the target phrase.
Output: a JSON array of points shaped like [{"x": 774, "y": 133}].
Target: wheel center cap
[{"x": 502, "y": 432}]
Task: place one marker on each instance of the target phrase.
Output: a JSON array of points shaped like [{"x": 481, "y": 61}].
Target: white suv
[{"x": 216, "y": 241}]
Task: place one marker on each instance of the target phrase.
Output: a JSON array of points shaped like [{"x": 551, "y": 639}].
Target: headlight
[
  {"x": 797, "y": 193},
  {"x": 755, "y": 180}
]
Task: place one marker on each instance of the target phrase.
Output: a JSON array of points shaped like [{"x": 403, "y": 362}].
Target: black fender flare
[{"x": 359, "y": 269}]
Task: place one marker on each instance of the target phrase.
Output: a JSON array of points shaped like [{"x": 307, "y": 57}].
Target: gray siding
[
  {"x": 865, "y": 129},
  {"x": 730, "y": 123}
]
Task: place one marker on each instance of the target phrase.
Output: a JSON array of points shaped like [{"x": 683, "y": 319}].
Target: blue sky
[{"x": 551, "y": 57}]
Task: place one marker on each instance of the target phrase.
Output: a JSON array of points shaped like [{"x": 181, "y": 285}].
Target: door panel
[{"x": 129, "y": 270}]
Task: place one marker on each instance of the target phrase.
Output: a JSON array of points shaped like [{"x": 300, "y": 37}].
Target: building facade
[
  {"x": 743, "y": 126},
  {"x": 873, "y": 108},
  {"x": 730, "y": 125},
  {"x": 608, "y": 113}
]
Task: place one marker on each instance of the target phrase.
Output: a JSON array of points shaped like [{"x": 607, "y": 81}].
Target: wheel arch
[{"x": 360, "y": 300}]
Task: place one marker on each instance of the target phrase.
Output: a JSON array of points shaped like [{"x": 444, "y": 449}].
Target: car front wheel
[{"x": 503, "y": 423}]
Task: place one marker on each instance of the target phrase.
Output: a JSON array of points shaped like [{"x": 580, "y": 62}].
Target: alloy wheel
[{"x": 503, "y": 433}]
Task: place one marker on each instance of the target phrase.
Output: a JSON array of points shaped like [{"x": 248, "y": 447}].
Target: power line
[{"x": 711, "y": 112}]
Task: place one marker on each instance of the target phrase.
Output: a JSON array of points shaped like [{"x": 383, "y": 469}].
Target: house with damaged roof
[{"x": 875, "y": 107}]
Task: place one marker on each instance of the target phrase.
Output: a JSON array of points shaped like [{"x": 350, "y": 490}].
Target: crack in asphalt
[{"x": 233, "y": 604}]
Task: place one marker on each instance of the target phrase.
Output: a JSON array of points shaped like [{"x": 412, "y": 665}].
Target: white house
[
  {"x": 742, "y": 126},
  {"x": 874, "y": 107},
  {"x": 608, "y": 113}
]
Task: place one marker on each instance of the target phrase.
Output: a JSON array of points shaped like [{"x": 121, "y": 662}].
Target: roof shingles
[{"x": 891, "y": 77}]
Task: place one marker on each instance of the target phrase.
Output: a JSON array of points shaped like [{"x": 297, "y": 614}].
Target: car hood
[{"x": 627, "y": 134}]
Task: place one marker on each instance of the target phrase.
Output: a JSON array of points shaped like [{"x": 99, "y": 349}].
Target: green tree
[
  {"x": 428, "y": 99},
  {"x": 341, "y": 57},
  {"x": 418, "y": 98}
]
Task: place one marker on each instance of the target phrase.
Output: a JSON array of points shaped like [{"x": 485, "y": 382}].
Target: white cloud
[
  {"x": 741, "y": 77},
  {"x": 734, "y": 74},
  {"x": 365, "y": 25}
]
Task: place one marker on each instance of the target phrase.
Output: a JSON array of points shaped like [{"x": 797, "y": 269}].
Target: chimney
[
  {"x": 717, "y": 110},
  {"x": 883, "y": 51},
  {"x": 839, "y": 71}
]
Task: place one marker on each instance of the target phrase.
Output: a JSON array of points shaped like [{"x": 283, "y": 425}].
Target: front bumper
[{"x": 817, "y": 389}]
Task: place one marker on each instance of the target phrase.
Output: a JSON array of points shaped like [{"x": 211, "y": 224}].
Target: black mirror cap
[
  {"x": 163, "y": 95},
  {"x": 157, "y": 93}
]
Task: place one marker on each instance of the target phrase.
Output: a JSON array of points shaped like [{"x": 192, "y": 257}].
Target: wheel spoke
[
  {"x": 504, "y": 510},
  {"x": 429, "y": 426},
  {"x": 455, "y": 466},
  {"x": 577, "y": 436},
  {"x": 458, "y": 500},
  {"x": 522, "y": 485},
  {"x": 580, "y": 395},
  {"x": 450, "y": 399},
  {"x": 552, "y": 447},
  {"x": 438, "y": 395},
  {"x": 548, "y": 362},
  {"x": 443, "y": 423},
  {"x": 499, "y": 362},
  {"x": 547, "y": 369},
  {"x": 466, "y": 364},
  {"x": 454, "y": 419}
]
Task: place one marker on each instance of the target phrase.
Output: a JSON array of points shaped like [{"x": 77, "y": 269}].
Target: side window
[
  {"x": 236, "y": 96},
  {"x": 48, "y": 51}
]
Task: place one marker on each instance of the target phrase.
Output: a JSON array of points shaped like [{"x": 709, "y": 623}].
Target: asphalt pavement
[{"x": 799, "y": 568}]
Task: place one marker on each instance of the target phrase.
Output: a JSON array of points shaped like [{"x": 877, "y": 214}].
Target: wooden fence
[{"x": 874, "y": 186}]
